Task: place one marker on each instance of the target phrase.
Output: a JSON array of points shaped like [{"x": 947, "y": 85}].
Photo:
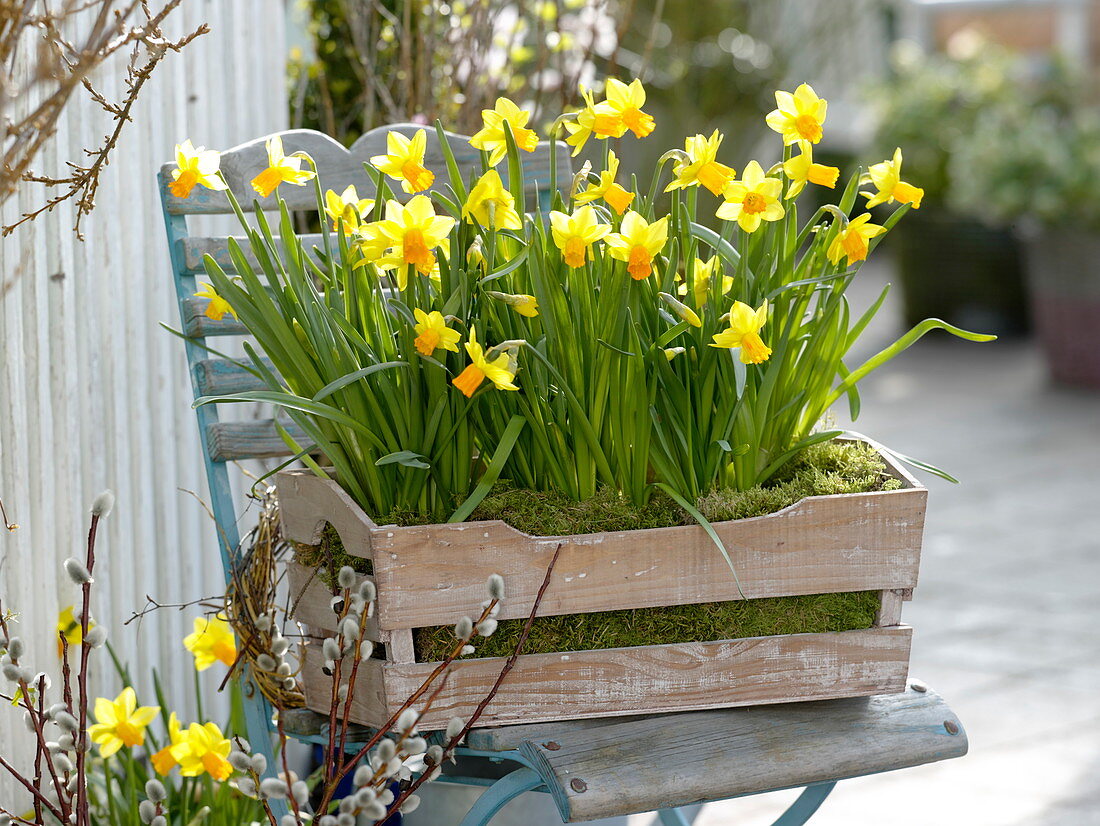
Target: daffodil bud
[
  {"x": 77, "y": 572},
  {"x": 673, "y": 352},
  {"x": 103, "y": 504},
  {"x": 682, "y": 310},
  {"x": 495, "y": 586},
  {"x": 475, "y": 255},
  {"x": 346, "y": 577}
]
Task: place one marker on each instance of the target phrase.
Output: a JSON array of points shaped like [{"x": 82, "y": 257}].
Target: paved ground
[{"x": 1007, "y": 615}]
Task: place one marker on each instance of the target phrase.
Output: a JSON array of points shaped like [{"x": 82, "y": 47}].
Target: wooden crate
[{"x": 435, "y": 574}]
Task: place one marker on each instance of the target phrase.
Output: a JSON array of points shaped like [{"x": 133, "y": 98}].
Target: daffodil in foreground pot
[{"x": 456, "y": 340}]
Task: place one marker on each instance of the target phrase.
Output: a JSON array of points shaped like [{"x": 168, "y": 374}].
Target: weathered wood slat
[
  {"x": 369, "y": 687},
  {"x": 233, "y": 441},
  {"x": 663, "y": 762},
  {"x": 198, "y": 325},
  {"x": 431, "y": 575},
  {"x": 340, "y": 167},
  {"x": 628, "y": 681},
  {"x": 217, "y": 376},
  {"x": 195, "y": 247},
  {"x": 310, "y": 602},
  {"x": 889, "y": 612}
]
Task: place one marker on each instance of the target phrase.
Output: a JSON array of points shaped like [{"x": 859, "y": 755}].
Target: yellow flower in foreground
[
  {"x": 744, "y": 332},
  {"x": 195, "y": 167},
  {"x": 120, "y": 722},
  {"x": 404, "y": 161},
  {"x": 349, "y": 207},
  {"x": 604, "y": 124},
  {"x": 410, "y": 232},
  {"x": 801, "y": 169},
  {"x": 218, "y": 306},
  {"x": 211, "y": 640},
  {"x": 637, "y": 243},
  {"x": 501, "y": 371},
  {"x": 573, "y": 234},
  {"x": 525, "y": 305},
  {"x": 164, "y": 760},
  {"x": 702, "y": 167},
  {"x": 281, "y": 169},
  {"x": 491, "y": 205},
  {"x": 886, "y": 177},
  {"x": 432, "y": 333},
  {"x": 203, "y": 749},
  {"x": 491, "y": 136},
  {"x": 68, "y": 626},
  {"x": 798, "y": 117},
  {"x": 616, "y": 196},
  {"x": 851, "y": 242},
  {"x": 702, "y": 274},
  {"x": 626, "y": 102},
  {"x": 753, "y": 199}
]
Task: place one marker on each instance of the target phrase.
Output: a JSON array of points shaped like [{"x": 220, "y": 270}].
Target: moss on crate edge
[{"x": 830, "y": 468}]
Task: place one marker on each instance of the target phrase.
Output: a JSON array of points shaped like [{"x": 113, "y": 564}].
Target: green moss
[
  {"x": 657, "y": 626},
  {"x": 833, "y": 467}
]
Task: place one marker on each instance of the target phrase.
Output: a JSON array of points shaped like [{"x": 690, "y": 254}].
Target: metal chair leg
[
  {"x": 673, "y": 817},
  {"x": 500, "y": 794},
  {"x": 806, "y": 805}
]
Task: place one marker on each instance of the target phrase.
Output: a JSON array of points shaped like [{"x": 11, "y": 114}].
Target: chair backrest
[{"x": 337, "y": 167}]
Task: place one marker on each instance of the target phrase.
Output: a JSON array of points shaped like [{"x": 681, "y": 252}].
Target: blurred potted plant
[
  {"x": 1036, "y": 163},
  {"x": 950, "y": 261}
]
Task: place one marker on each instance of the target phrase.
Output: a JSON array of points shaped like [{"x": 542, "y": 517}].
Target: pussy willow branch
[
  {"x": 82, "y": 813},
  {"x": 24, "y": 139},
  {"x": 508, "y": 665}
]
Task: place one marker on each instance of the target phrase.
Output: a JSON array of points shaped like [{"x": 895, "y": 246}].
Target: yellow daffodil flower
[
  {"x": 798, "y": 117},
  {"x": 801, "y": 169},
  {"x": 616, "y": 196},
  {"x": 753, "y": 199},
  {"x": 218, "y": 306},
  {"x": 120, "y": 722},
  {"x": 744, "y": 333},
  {"x": 164, "y": 760},
  {"x": 702, "y": 273},
  {"x": 588, "y": 123},
  {"x": 574, "y": 234},
  {"x": 432, "y": 333},
  {"x": 851, "y": 242},
  {"x": 702, "y": 166},
  {"x": 491, "y": 136},
  {"x": 195, "y": 167},
  {"x": 525, "y": 305},
  {"x": 211, "y": 640},
  {"x": 410, "y": 232},
  {"x": 491, "y": 205},
  {"x": 886, "y": 177},
  {"x": 625, "y": 102},
  {"x": 637, "y": 243},
  {"x": 203, "y": 749},
  {"x": 501, "y": 371},
  {"x": 349, "y": 207},
  {"x": 404, "y": 161},
  {"x": 281, "y": 169},
  {"x": 68, "y": 626}
]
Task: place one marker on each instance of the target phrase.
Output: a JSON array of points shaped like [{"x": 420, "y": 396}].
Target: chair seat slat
[
  {"x": 197, "y": 324},
  {"x": 195, "y": 247},
  {"x": 217, "y": 377}
]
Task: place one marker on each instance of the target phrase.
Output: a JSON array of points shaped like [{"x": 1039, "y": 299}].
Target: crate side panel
[
  {"x": 666, "y": 678},
  {"x": 368, "y": 704}
]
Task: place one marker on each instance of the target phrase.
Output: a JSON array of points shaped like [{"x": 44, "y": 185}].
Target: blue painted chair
[{"x": 591, "y": 768}]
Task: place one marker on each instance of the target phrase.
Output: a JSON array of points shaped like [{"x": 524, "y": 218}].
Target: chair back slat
[
  {"x": 338, "y": 167},
  {"x": 196, "y": 247},
  {"x": 197, "y": 324},
  {"x": 235, "y": 441},
  {"x": 219, "y": 377}
]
